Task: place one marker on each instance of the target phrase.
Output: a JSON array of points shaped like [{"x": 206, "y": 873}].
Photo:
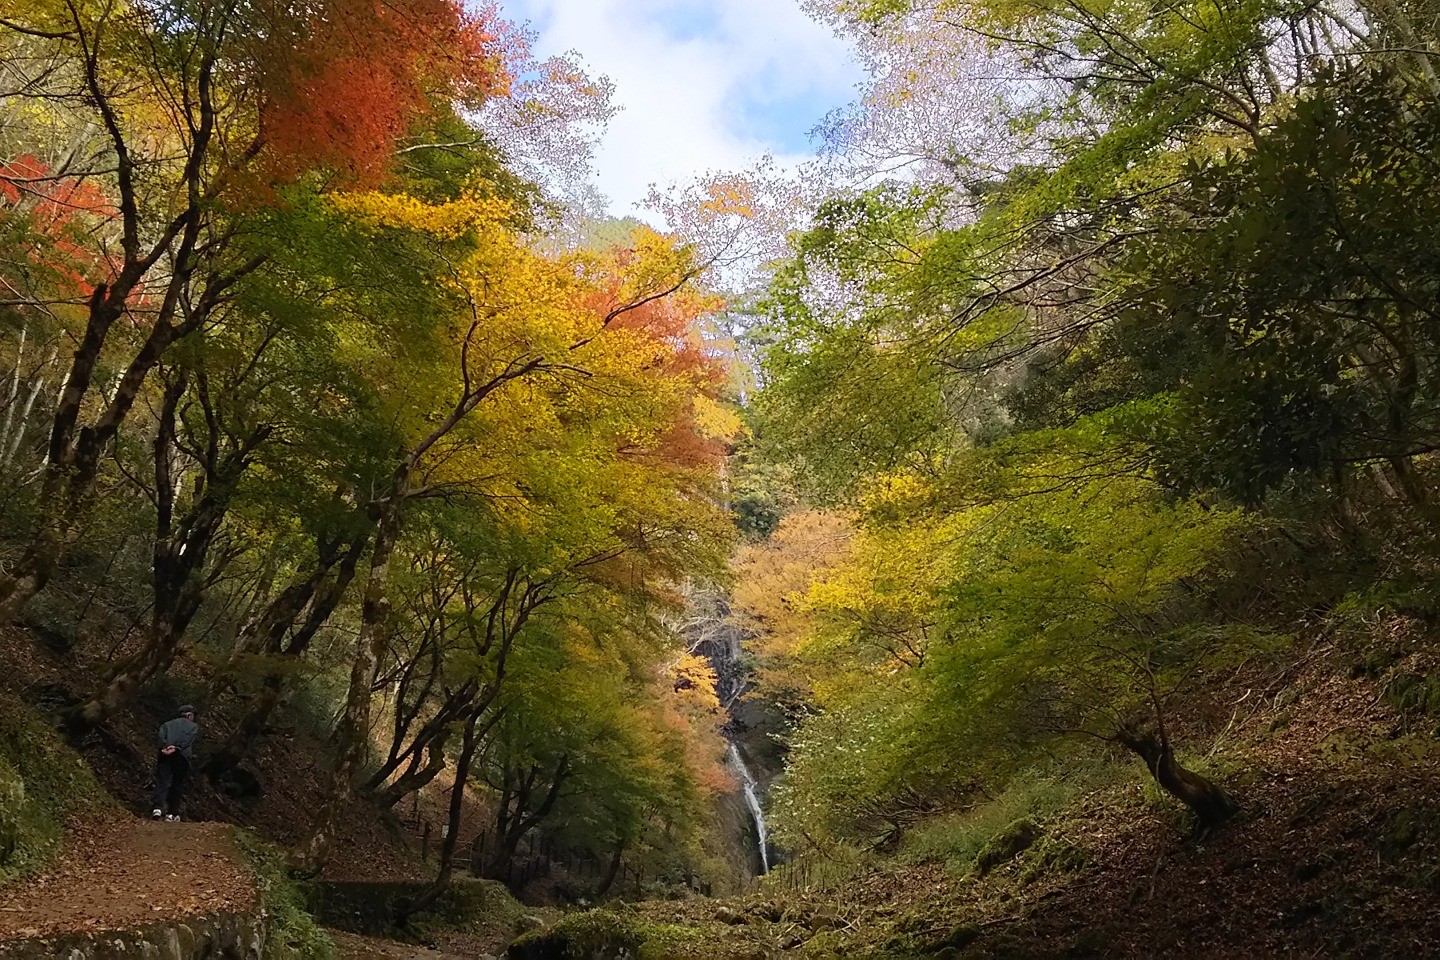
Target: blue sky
[{"x": 702, "y": 84}]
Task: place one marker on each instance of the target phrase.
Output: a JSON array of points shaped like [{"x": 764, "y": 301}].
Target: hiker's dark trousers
[{"x": 171, "y": 769}]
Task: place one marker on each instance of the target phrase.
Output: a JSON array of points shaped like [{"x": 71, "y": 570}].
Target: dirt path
[{"x": 124, "y": 872}]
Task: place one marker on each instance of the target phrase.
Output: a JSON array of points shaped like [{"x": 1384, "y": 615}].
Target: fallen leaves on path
[{"x": 122, "y": 872}]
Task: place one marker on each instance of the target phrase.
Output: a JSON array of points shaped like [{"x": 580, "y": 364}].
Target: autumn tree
[{"x": 165, "y": 254}]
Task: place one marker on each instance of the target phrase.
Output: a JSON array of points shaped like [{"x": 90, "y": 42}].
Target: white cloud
[{"x": 701, "y": 84}]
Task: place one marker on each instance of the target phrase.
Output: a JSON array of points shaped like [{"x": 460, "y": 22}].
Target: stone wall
[
  {"x": 224, "y": 937},
  {"x": 375, "y": 909}
]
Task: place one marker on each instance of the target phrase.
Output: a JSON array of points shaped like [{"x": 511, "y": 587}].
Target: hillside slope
[{"x": 1336, "y": 854}]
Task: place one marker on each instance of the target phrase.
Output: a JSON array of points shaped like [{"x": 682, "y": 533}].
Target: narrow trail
[{"x": 122, "y": 873}]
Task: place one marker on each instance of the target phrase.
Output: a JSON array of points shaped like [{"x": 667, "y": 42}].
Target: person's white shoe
[
  {"x": 172, "y": 818},
  {"x": 156, "y": 814}
]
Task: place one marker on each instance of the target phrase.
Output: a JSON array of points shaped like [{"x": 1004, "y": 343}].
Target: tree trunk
[
  {"x": 353, "y": 732},
  {"x": 512, "y": 826},
  {"x": 182, "y": 547},
  {"x": 1210, "y": 803},
  {"x": 615, "y": 861},
  {"x": 265, "y": 633},
  {"x": 17, "y": 437},
  {"x": 413, "y": 779},
  {"x": 409, "y": 755},
  {"x": 416, "y": 777},
  {"x": 72, "y": 459},
  {"x": 242, "y": 741},
  {"x": 471, "y": 698},
  {"x": 432, "y": 893},
  {"x": 33, "y": 570},
  {"x": 72, "y": 462}
]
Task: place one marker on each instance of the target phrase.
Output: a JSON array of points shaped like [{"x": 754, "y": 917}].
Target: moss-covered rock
[
  {"x": 1006, "y": 845},
  {"x": 477, "y": 906},
  {"x": 595, "y": 935},
  {"x": 1053, "y": 857},
  {"x": 616, "y": 934},
  {"x": 955, "y": 939}
]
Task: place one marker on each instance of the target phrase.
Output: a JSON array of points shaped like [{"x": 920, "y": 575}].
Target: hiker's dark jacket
[{"x": 181, "y": 734}]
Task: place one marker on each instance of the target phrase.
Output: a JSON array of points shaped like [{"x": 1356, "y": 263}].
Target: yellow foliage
[
  {"x": 773, "y": 581},
  {"x": 715, "y": 419},
  {"x": 448, "y": 221},
  {"x": 730, "y": 197}
]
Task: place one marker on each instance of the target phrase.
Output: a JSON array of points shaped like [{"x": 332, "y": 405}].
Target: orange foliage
[
  {"x": 687, "y": 446},
  {"x": 672, "y": 319},
  {"x": 346, "y": 91},
  {"x": 695, "y": 713}
]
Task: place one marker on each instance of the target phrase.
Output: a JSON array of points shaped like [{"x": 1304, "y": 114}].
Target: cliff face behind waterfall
[{"x": 712, "y": 633}]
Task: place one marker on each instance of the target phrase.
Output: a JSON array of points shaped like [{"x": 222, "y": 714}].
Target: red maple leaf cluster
[
  {"x": 342, "y": 86},
  {"x": 58, "y": 210}
]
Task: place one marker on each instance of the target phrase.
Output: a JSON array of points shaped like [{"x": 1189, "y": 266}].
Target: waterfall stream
[
  {"x": 710, "y": 631},
  {"x": 757, "y": 813}
]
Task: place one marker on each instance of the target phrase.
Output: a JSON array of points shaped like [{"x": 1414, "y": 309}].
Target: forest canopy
[
  {"x": 1107, "y": 355},
  {"x": 311, "y": 385},
  {"x": 1079, "y": 395}
]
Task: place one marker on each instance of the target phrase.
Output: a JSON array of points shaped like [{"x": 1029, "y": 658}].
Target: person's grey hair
[{"x": 187, "y": 708}]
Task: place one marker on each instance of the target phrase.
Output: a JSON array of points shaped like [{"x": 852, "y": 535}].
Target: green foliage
[
  {"x": 1072, "y": 402},
  {"x": 956, "y": 641},
  {"x": 1294, "y": 327},
  {"x": 760, "y": 492},
  {"x": 849, "y": 770},
  {"x": 293, "y": 932},
  {"x": 1415, "y": 694}
]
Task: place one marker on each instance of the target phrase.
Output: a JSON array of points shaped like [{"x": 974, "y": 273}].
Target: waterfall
[
  {"x": 711, "y": 632},
  {"x": 752, "y": 800}
]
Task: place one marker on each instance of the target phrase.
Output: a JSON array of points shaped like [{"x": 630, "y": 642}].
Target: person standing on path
[{"x": 176, "y": 742}]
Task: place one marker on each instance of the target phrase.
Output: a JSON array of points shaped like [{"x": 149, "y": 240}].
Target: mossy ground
[
  {"x": 294, "y": 934},
  {"x": 622, "y": 933},
  {"x": 43, "y": 786},
  {"x": 474, "y": 915}
]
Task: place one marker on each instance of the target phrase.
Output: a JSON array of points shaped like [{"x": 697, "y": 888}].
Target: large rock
[{"x": 595, "y": 935}]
